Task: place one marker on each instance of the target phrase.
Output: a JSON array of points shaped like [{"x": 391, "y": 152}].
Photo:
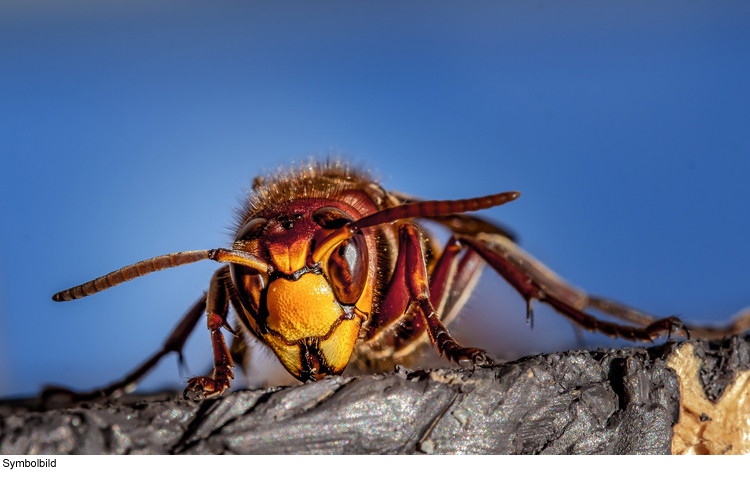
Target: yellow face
[
  {"x": 309, "y": 313},
  {"x": 309, "y": 331}
]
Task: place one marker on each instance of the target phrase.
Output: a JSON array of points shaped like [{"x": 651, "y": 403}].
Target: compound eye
[
  {"x": 252, "y": 229},
  {"x": 347, "y": 269},
  {"x": 331, "y": 218}
]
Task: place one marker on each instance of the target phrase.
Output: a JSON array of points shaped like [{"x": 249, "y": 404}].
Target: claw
[
  {"x": 671, "y": 324},
  {"x": 475, "y": 357},
  {"x": 191, "y": 392},
  {"x": 481, "y": 359},
  {"x": 202, "y": 387}
]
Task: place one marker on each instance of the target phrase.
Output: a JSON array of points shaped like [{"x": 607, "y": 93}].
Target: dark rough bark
[
  {"x": 601, "y": 402},
  {"x": 722, "y": 361}
]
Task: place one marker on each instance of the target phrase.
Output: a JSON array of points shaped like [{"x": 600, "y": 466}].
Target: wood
[{"x": 601, "y": 402}]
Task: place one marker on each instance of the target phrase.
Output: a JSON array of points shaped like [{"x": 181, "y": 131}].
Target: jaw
[
  {"x": 310, "y": 332},
  {"x": 312, "y": 358}
]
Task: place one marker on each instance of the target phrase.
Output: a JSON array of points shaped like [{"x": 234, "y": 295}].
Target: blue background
[{"x": 129, "y": 130}]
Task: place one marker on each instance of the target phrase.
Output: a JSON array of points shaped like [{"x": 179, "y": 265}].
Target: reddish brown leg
[
  {"x": 217, "y": 307},
  {"x": 468, "y": 225},
  {"x": 443, "y": 274},
  {"x": 454, "y": 290},
  {"x": 419, "y": 292},
  {"x": 534, "y": 281},
  {"x": 740, "y": 323},
  {"x": 409, "y": 288},
  {"x": 451, "y": 283},
  {"x": 174, "y": 343},
  {"x": 619, "y": 310},
  {"x": 413, "y": 325}
]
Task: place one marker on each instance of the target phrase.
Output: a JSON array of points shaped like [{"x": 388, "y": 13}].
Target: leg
[
  {"x": 174, "y": 343},
  {"x": 399, "y": 325},
  {"x": 451, "y": 282},
  {"x": 419, "y": 292},
  {"x": 740, "y": 323},
  {"x": 455, "y": 287},
  {"x": 217, "y": 307},
  {"x": 535, "y": 281},
  {"x": 472, "y": 226},
  {"x": 620, "y": 310},
  {"x": 407, "y": 312}
]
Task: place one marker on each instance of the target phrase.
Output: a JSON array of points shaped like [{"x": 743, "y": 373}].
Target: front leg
[
  {"x": 419, "y": 292},
  {"x": 408, "y": 308},
  {"x": 217, "y": 307}
]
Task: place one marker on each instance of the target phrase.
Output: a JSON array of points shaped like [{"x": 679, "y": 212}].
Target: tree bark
[{"x": 601, "y": 402}]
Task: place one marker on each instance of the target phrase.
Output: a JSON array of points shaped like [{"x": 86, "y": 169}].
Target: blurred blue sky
[{"x": 130, "y": 129}]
